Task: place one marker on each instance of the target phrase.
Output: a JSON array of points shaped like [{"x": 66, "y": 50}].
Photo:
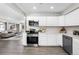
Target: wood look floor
[{"x": 14, "y": 47}]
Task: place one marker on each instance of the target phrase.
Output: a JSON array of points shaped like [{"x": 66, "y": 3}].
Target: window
[{"x": 2, "y": 26}]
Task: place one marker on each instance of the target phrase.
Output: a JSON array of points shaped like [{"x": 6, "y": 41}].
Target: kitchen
[
  {"x": 49, "y": 26},
  {"x": 54, "y": 29}
]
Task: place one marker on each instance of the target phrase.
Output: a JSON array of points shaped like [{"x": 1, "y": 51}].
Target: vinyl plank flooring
[
  {"x": 14, "y": 47},
  {"x": 44, "y": 51}
]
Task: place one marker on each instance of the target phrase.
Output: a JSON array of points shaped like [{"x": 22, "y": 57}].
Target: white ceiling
[{"x": 43, "y": 7}]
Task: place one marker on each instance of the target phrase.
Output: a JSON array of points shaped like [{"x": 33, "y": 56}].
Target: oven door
[{"x": 32, "y": 40}]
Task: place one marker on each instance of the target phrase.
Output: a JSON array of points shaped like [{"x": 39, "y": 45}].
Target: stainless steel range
[{"x": 32, "y": 38}]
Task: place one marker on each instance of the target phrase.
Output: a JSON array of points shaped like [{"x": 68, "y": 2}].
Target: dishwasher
[{"x": 67, "y": 44}]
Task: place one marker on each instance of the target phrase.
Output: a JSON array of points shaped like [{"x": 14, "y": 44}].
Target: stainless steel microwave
[{"x": 33, "y": 23}]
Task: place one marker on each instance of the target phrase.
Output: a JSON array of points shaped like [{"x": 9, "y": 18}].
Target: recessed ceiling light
[
  {"x": 34, "y": 7},
  {"x": 51, "y": 7}
]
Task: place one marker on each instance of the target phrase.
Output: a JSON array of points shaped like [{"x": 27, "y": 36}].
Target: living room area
[{"x": 8, "y": 30}]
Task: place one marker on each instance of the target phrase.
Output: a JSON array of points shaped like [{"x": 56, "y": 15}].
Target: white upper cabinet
[
  {"x": 48, "y": 21},
  {"x": 52, "y": 21},
  {"x": 35, "y": 18},
  {"x": 69, "y": 20},
  {"x": 72, "y": 19},
  {"x": 61, "y": 20},
  {"x": 42, "y": 21}
]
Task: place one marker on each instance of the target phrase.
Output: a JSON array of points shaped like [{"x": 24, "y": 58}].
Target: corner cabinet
[{"x": 72, "y": 19}]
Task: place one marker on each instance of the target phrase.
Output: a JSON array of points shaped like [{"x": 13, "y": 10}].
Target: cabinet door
[
  {"x": 24, "y": 38},
  {"x": 75, "y": 46},
  {"x": 35, "y": 18},
  {"x": 42, "y": 39},
  {"x": 59, "y": 40},
  {"x": 69, "y": 20},
  {"x": 61, "y": 21},
  {"x": 51, "y": 40},
  {"x": 52, "y": 21},
  {"x": 76, "y": 17},
  {"x": 42, "y": 21},
  {"x": 72, "y": 19}
]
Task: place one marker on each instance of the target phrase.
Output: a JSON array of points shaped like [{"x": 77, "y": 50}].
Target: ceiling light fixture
[
  {"x": 34, "y": 8},
  {"x": 51, "y": 7}
]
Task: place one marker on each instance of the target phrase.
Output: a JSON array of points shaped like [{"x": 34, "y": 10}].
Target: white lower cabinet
[
  {"x": 60, "y": 40},
  {"x": 42, "y": 42},
  {"x": 42, "y": 39},
  {"x": 75, "y": 46},
  {"x": 23, "y": 40},
  {"x": 47, "y": 39},
  {"x": 51, "y": 40}
]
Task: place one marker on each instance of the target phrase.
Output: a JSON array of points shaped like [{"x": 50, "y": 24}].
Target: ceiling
[{"x": 27, "y": 8}]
